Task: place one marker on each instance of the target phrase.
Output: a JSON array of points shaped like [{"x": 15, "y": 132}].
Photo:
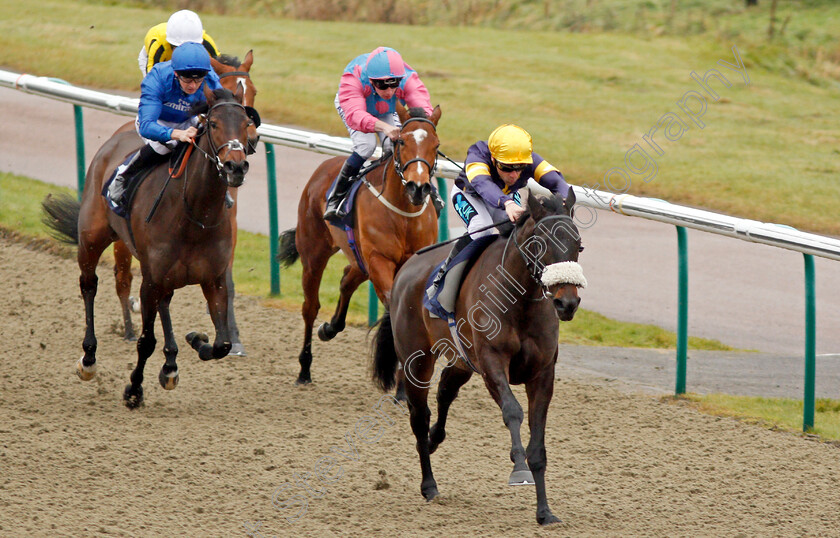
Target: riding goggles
[
  {"x": 386, "y": 83},
  {"x": 195, "y": 76},
  {"x": 517, "y": 167}
]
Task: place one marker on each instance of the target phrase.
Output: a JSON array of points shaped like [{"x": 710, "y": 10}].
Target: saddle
[
  {"x": 442, "y": 303},
  {"x": 177, "y": 162}
]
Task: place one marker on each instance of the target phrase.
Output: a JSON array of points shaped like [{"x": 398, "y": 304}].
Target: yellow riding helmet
[{"x": 510, "y": 144}]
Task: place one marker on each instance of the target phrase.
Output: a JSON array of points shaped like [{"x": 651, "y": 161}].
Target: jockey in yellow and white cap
[{"x": 182, "y": 27}]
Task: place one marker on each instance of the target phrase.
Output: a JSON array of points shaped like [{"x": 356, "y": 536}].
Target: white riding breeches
[
  {"x": 364, "y": 144},
  {"x": 166, "y": 148},
  {"x": 476, "y": 213}
]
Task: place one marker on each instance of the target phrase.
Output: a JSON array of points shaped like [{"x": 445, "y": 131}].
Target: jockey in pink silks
[{"x": 366, "y": 100}]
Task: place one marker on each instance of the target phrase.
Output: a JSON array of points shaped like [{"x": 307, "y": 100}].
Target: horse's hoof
[
  {"x": 326, "y": 332},
  {"x": 547, "y": 518},
  {"x": 130, "y": 337},
  {"x": 237, "y": 350},
  {"x": 133, "y": 398},
  {"x": 168, "y": 380},
  {"x": 85, "y": 373},
  {"x": 194, "y": 336},
  {"x": 429, "y": 493},
  {"x": 521, "y": 478},
  {"x": 303, "y": 381}
]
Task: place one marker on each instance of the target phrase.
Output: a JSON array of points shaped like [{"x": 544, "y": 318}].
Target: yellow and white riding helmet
[
  {"x": 510, "y": 144},
  {"x": 184, "y": 27}
]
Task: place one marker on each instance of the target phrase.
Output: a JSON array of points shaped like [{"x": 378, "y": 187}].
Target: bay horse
[
  {"x": 188, "y": 238},
  {"x": 232, "y": 75},
  {"x": 394, "y": 218},
  {"x": 507, "y": 315}
]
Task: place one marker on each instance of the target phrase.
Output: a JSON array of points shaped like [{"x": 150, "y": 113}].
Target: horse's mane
[
  {"x": 416, "y": 112},
  {"x": 220, "y": 94},
  {"x": 553, "y": 204},
  {"x": 227, "y": 59}
]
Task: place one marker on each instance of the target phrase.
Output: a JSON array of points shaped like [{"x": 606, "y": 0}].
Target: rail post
[
  {"x": 682, "y": 314},
  {"x": 810, "y": 345},
  {"x": 273, "y": 232}
]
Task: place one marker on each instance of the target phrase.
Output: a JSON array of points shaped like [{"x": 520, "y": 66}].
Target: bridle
[
  {"x": 231, "y": 145},
  {"x": 534, "y": 270},
  {"x": 400, "y": 166}
]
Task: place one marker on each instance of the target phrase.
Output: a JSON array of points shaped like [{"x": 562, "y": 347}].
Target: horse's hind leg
[
  {"x": 451, "y": 381},
  {"x": 314, "y": 260},
  {"x": 150, "y": 295},
  {"x": 497, "y": 383},
  {"x": 540, "y": 390},
  {"x": 122, "y": 277},
  {"x": 418, "y": 393},
  {"x": 215, "y": 291},
  {"x": 90, "y": 250},
  {"x": 168, "y": 376},
  {"x": 353, "y": 276}
]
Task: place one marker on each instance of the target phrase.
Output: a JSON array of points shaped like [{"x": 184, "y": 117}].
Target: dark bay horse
[
  {"x": 232, "y": 74},
  {"x": 507, "y": 316},
  {"x": 389, "y": 226},
  {"x": 187, "y": 240}
]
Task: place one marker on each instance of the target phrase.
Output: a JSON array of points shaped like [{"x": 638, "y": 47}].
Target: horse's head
[
  {"x": 415, "y": 152},
  {"x": 233, "y": 75},
  {"x": 550, "y": 244},
  {"x": 226, "y": 123}
]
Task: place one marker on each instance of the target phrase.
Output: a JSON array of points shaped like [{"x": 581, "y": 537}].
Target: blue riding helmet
[
  {"x": 191, "y": 57},
  {"x": 384, "y": 62}
]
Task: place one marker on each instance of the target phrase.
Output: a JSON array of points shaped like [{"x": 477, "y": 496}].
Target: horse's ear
[
  {"x": 249, "y": 59},
  {"x": 402, "y": 112},
  {"x": 535, "y": 207},
  {"x": 435, "y": 117},
  {"x": 569, "y": 200},
  {"x": 240, "y": 93},
  {"x": 218, "y": 66},
  {"x": 208, "y": 94}
]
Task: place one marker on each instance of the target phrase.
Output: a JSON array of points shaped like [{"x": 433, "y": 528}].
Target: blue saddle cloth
[
  {"x": 348, "y": 202},
  {"x": 116, "y": 208},
  {"x": 442, "y": 303}
]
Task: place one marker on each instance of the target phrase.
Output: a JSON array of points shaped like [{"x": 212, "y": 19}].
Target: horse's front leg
[
  {"x": 353, "y": 276},
  {"x": 150, "y": 295},
  {"x": 215, "y": 291},
  {"x": 168, "y": 375},
  {"x": 495, "y": 378},
  {"x": 539, "y": 390},
  {"x": 236, "y": 345},
  {"x": 122, "y": 278}
]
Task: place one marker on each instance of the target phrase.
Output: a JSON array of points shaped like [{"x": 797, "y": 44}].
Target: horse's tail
[
  {"x": 61, "y": 216},
  {"x": 385, "y": 360},
  {"x": 287, "y": 252}
]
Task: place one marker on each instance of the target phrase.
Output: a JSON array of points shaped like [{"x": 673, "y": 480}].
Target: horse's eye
[{"x": 212, "y": 124}]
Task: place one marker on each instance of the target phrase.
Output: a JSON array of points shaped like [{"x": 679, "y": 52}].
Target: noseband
[{"x": 400, "y": 166}]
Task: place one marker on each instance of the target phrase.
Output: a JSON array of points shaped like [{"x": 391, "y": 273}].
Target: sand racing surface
[{"x": 236, "y": 448}]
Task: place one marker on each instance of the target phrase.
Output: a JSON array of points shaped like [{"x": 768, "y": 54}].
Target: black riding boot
[
  {"x": 143, "y": 159},
  {"x": 346, "y": 177},
  {"x": 456, "y": 248}
]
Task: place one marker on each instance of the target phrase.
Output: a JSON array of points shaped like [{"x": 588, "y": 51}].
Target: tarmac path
[{"x": 746, "y": 295}]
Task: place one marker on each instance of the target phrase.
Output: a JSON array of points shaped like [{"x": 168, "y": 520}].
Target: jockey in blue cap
[{"x": 167, "y": 94}]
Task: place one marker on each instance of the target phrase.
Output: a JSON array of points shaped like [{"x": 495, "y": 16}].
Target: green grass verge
[
  {"x": 776, "y": 413},
  {"x": 20, "y": 211},
  {"x": 767, "y": 150}
]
